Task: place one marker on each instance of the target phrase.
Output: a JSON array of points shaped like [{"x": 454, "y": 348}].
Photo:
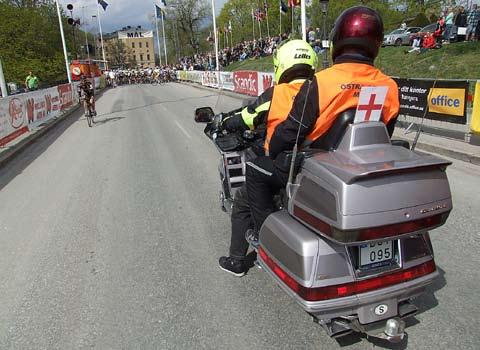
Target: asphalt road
[{"x": 109, "y": 239}]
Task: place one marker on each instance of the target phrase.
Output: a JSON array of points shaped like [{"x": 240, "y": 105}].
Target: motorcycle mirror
[{"x": 204, "y": 115}]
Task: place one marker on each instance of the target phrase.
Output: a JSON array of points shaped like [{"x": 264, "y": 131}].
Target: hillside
[{"x": 453, "y": 61}]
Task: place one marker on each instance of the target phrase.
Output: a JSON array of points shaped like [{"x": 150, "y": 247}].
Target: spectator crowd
[
  {"x": 454, "y": 24},
  {"x": 242, "y": 51}
]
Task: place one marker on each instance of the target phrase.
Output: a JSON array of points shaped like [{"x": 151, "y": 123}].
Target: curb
[
  {"x": 465, "y": 157},
  {"x": 12, "y": 151}
]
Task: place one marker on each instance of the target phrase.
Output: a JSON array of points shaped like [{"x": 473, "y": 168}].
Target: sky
[{"x": 119, "y": 13}]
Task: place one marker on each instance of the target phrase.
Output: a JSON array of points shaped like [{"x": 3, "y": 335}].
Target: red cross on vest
[{"x": 370, "y": 104}]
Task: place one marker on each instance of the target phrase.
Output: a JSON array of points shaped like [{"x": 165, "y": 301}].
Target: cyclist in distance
[{"x": 86, "y": 89}]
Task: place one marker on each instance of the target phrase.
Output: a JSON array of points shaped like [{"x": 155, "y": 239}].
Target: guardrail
[{"x": 448, "y": 114}]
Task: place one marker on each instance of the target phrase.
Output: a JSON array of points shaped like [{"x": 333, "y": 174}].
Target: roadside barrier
[
  {"x": 476, "y": 110},
  {"x": 447, "y": 101}
]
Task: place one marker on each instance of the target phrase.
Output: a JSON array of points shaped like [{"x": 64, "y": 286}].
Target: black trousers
[
  {"x": 264, "y": 180},
  {"x": 253, "y": 202},
  {"x": 241, "y": 222}
]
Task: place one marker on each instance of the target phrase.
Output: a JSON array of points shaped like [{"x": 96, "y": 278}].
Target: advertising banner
[
  {"x": 226, "y": 80},
  {"x": 195, "y": 76},
  {"x": 24, "y": 112},
  {"x": 246, "y": 82},
  {"x": 13, "y": 119},
  {"x": 446, "y": 100},
  {"x": 265, "y": 81},
  {"x": 210, "y": 79}
]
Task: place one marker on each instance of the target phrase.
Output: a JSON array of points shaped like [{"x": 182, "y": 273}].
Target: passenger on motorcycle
[
  {"x": 294, "y": 62},
  {"x": 356, "y": 38},
  {"x": 86, "y": 89}
]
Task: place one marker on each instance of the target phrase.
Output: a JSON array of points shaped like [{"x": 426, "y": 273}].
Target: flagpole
[
  {"x": 158, "y": 35},
  {"x": 216, "y": 37},
  {"x": 268, "y": 26},
  {"x": 253, "y": 25},
  {"x": 304, "y": 20},
  {"x": 293, "y": 18},
  {"x": 67, "y": 65},
  {"x": 101, "y": 37},
  {"x": 259, "y": 27},
  {"x": 280, "y": 14},
  {"x": 164, "y": 41}
]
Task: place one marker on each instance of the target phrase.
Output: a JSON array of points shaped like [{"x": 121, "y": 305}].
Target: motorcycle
[{"x": 350, "y": 242}]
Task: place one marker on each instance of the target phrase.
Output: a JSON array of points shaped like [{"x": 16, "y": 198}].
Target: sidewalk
[{"x": 443, "y": 146}]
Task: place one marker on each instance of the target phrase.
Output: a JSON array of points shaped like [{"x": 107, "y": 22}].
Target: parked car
[
  {"x": 422, "y": 32},
  {"x": 399, "y": 36}
]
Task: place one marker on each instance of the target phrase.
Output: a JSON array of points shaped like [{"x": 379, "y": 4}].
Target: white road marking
[{"x": 183, "y": 130}]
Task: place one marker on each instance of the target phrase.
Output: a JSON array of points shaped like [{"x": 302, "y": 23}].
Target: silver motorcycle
[{"x": 350, "y": 242}]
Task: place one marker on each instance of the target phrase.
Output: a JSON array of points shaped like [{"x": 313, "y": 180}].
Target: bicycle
[{"x": 89, "y": 111}]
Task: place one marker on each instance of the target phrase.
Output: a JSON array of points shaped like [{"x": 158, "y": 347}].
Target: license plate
[{"x": 375, "y": 254}]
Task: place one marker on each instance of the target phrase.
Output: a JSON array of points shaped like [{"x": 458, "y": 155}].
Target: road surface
[{"x": 109, "y": 239}]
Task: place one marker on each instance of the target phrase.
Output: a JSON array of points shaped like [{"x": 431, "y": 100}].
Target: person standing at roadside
[
  {"x": 472, "y": 23},
  {"x": 31, "y": 82},
  {"x": 448, "y": 24}
]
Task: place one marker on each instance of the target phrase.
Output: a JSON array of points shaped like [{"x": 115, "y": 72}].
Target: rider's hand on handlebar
[{"x": 234, "y": 123}]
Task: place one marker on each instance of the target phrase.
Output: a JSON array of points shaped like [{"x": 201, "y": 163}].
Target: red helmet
[{"x": 359, "y": 28}]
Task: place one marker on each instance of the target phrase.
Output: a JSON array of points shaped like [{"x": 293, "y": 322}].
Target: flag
[
  {"x": 294, "y": 3},
  {"x": 230, "y": 26},
  {"x": 103, "y": 4},
  {"x": 158, "y": 11},
  {"x": 265, "y": 5},
  {"x": 162, "y": 4},
  {"x": 283, "y": 8}
]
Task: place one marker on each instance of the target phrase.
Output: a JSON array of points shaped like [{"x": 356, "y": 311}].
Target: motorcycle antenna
[{"x": 290, "y": 183}]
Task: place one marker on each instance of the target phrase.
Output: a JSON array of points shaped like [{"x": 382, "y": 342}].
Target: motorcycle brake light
[
  {"x": 348, "y": 289},
  {"x": 371, "y": 233}
]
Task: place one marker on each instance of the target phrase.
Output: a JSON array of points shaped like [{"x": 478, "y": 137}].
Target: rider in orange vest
[
  {"x": 294, "y": 62},
  {"x": 356, "y": 38}
]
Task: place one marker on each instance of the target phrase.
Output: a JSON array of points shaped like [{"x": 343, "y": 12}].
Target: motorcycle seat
[{"x": 331, "y": 139}]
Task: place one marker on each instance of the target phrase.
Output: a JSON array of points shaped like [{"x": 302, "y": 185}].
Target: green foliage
[{"x": 30, "y": 41}]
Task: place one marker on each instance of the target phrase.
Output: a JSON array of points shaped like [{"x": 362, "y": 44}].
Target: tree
[
  {"x": 30, "y": 41},
  {"x": 189, "y": 15},
  {"x": 118, "y": 53}
]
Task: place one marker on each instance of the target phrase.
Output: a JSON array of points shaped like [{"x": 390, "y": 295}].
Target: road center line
[{"x": 183, "y": 130}]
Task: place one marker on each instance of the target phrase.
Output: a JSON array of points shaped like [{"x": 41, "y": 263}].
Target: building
[{"x": 139, "y": 46}]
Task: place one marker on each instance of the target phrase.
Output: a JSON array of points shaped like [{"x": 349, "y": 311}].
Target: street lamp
[{"x": 325, "y": 40}]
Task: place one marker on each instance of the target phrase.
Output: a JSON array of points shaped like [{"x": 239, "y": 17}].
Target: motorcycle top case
[{"x": 368, "y": 189}]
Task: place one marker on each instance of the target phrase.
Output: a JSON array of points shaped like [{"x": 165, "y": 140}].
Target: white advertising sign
[
  {"x": 226, "y": 81},
  {"x": 135, "y": 34}
]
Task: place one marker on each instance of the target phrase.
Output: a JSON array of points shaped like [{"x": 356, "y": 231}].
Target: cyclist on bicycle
[{"x": 86, "y": 88}]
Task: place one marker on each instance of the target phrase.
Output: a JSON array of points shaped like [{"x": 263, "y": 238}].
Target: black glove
[{"x": 234, "y": 123}]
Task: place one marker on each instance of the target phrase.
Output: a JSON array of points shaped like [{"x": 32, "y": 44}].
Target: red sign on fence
[{"x": 246, "y": 82}]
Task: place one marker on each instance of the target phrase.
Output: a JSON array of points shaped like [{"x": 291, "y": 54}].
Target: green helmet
[{"x": 294, "y": 59}]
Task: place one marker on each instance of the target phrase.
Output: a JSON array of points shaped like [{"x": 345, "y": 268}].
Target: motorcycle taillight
[
  {"x": 347, "y": 289},
  {"x": 371, "y": 233}
]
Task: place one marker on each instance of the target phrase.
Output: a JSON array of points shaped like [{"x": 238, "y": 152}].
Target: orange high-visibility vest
[
  {"x": 339, "y": 88},
  {"x": 282, "y": 102}
]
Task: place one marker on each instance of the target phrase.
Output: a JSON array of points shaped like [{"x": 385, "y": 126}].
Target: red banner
[{"x": 246, "y": 82}]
